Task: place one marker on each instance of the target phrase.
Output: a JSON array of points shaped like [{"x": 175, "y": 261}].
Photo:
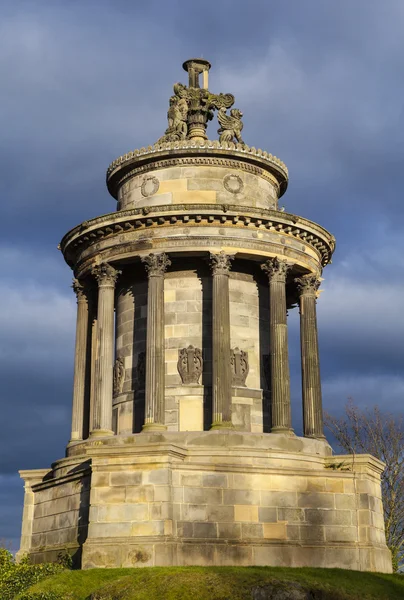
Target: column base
[
  {"x": 222, "y": 425},
  {"x": 287, "y": 430},
  {"x": 153, "y": 427},
  {"x": 101, "y": 433},
  {"x": 74, "y": 441},
  {"x": 315, "y": 436}
]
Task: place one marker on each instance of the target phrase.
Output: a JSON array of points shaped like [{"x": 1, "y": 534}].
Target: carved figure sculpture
[
  {"x": 240, "y": 366},
  {"x": 177, "y": 118},
  {"x": 177, "y": 115},
  {"x": 190, "y": 364},
  {"x": 192, "y": 107},
  {"x": 119, "y": 375},
  {"x": 230, "y": 125}
]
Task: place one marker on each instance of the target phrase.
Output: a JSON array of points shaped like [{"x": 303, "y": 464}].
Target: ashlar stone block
[
  {"x": 275, "y": 531},
  {"x": 246, "y": 513}
]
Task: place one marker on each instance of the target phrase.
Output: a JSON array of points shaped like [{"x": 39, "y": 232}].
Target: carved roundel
[
  {"x": 149, "y": 186},
  {"x": 233, "y": 184}
]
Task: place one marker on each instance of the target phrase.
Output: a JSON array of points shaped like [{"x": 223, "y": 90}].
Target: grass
[{"x": 218, "y": 583}]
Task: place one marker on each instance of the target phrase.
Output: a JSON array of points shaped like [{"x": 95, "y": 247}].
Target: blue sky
[{"x": 320, "y": 85}]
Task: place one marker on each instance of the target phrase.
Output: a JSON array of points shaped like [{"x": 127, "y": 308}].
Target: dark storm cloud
[
  {"x": 11, "y": 498},
  {"x": 83, "y": 82}
]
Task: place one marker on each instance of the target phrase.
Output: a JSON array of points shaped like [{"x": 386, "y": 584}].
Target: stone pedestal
[{"x": 208, "y": 498}]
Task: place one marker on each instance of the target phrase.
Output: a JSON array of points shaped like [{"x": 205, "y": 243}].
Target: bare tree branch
[{"x": 382, "y": 435}]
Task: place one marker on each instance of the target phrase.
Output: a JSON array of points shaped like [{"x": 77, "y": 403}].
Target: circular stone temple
[{"x": 182, "y": 450}]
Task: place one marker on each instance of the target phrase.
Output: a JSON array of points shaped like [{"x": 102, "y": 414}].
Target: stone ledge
[
  {"x": 116, "y": 224},
  {"x": 209, "y": 442}
]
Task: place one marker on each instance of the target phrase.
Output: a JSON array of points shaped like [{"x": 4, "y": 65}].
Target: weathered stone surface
[
  {"x": 154, "y": 499},
  {"x": 153, "y": 485}
]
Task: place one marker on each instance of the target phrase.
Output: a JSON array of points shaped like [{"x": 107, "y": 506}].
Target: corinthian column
[
  {"x": 80, "y": 361},
  {"x": 221, "y": 264},
  {"x": 278, "y": 345},
  {"x": 156, "y": 265},
  {"x": 101, "y": 414},
  {"x": 311, "y": 383}
]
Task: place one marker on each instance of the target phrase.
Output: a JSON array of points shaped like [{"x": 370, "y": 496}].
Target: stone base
[
  {"x": 244, "y": 554},
  {"x": 207, "y": 498}
]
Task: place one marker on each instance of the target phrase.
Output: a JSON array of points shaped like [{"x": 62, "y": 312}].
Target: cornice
[
  {"x": 192, "y": 149},
  {"x": 114, "y": 224}
]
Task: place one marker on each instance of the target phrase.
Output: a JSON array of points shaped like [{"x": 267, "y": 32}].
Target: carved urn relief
[
  {"x": 190, "y": 364},
  {"x": 239, "y": 367}
]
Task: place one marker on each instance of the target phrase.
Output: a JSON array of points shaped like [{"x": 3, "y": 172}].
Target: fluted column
[
  {"x": 101, "y": 412},
  {"x": 311, "y": 382},
  {"x": 80, "y": 360},
  {"x": 93, "y": 360},
  {"x": 278, "y": 345},
  {"x": 156, "y": 265},
  {"x": 221, "y": 365}
]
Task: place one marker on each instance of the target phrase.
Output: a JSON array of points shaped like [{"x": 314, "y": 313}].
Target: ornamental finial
[
  {"x": 194, "y": 67},
  {"x": 190, "y": 108}
]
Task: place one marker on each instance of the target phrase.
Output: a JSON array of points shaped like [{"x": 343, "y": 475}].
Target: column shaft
[
  {"x": 221, "y": 367},
  {"x": 155, "y": 264},
  {"x": 278, "y": 346},
  {"x": 80, "y": 362},
  {"x": 103, "y": 381},
  {"x": 311, "y": 381},
  {"x": 94, "y": 336}
]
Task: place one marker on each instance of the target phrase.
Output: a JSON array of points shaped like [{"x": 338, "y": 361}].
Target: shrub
[{"x": 16, "y": 578}]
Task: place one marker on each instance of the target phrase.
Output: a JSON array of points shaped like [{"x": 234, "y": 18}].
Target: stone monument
[{"x": 182, "y": 450}]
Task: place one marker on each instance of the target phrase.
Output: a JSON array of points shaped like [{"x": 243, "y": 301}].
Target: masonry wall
[
  {"x": 201, "y": 515},
  {"x": 203, "y": 498},
  {"x": 199, "y": 185},
  {"x": 131, "y": 323},
  {"x": 249, "y": 331},
  {"x": 60, "y": 517},
  {"x": 186, "y": 293},
  {"x": 188, "y": 321}
]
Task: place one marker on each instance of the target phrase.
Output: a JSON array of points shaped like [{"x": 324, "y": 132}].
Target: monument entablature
[
  {"x": 182, "y": 448},
  {"x": 136, "y": 231}
]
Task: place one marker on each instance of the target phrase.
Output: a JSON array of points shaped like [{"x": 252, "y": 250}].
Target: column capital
[
  {"x": 80, "y": 290},
  {"x": 156, "y": 264},
  {"x": 220, "y": 263},
  {"x": 308, "y": 284},
  {"x": 105, "y": 274},
  {"x": 276, "y": 269}
]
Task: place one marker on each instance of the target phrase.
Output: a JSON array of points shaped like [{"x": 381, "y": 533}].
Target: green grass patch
[{"x": 218, "y": 583}]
